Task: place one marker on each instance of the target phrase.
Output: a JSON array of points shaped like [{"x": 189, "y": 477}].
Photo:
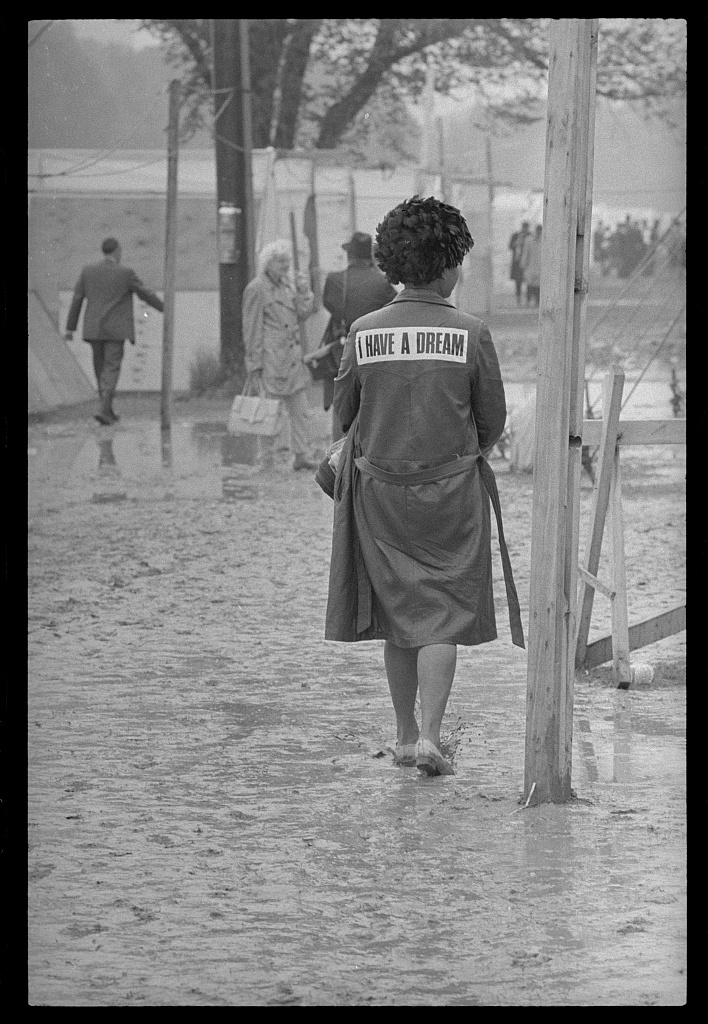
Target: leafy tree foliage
[{"x": 313, "y": 79}]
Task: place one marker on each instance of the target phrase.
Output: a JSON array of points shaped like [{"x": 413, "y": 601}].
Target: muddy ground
[{"x": 214, "y": 814}]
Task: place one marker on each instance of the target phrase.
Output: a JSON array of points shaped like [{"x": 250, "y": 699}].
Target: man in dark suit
[
  {"x": 349, "y": 294},
  {"x": 108, "y": 290}
]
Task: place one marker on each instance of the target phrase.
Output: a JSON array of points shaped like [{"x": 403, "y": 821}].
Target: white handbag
[{"x": 254, "y": 413}]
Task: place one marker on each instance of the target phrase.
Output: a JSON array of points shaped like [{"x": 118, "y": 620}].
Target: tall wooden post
[
  {"x": 489, "y": 304},
  {"x": 230, "y": 178},
  {"x": 247, "y": 118},
  {"x": 559, "y": 412},
  {"x": 168, "y": 316}
]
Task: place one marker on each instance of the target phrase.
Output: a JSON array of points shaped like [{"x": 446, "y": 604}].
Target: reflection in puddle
[
  {"x": 240, "y": 450},
  {"x": 242, "y": 456},
  {"x": 238, "y": 488},
  {"x": 621, "y": 762},
  {"x": 553, "y": 860},
  {"x": 608, "y": 756},
  {"x": 106, "y": 455},
  {"x": 108, "y": 471},
  {"x": 166, "y": 447},
  {"x": 587, "y": 749}
]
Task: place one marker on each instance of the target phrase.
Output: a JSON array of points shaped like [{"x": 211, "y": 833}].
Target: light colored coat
[{"x": 270, "y": 313}]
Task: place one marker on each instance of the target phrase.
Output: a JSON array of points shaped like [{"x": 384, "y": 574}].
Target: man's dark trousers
[{"x": 107, "y": 359}]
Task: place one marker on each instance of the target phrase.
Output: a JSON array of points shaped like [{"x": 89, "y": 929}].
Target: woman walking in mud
[{"x": 420, "y": 393}]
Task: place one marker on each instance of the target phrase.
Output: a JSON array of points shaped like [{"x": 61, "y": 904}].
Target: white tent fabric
[{"x": 54, "y": 377}]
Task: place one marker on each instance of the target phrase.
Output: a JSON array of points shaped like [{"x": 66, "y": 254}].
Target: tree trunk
[
  {"x": 266, "y": 41},
  {"x": 342, "y": 113},
  {"x": 297, "y": 54}
]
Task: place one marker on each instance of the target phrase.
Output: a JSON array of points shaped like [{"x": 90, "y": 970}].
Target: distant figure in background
[
  {"x": 516, "y": 273},
  {"x": 349, "y": 294},
  {"x": 531, "y": 266},
  {"x": 108, "y": 290},
  {"x": 652, "y": 241},
  {"x": 630, "y": 247},
  {"x": 600, "y": 247},
  {"x": 270, "y": 309}
]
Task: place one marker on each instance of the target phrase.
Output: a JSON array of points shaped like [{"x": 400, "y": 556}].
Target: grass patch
[{"x": 208, "y": 376}]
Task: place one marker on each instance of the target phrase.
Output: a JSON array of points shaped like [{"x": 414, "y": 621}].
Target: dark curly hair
[{"x": 419, "y": 239}]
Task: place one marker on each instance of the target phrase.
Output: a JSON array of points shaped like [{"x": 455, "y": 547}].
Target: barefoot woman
[{"x": 420, "y": 392}]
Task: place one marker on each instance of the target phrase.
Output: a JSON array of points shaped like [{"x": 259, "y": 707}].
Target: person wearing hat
[
  {"x": 420, "y": 394},
  {"x": 108, "y": 290},
  {"x": 349, "y": 294}
]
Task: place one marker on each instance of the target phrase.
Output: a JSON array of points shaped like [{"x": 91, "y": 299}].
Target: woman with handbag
[
  {"x": 420, "y": 393},
  {"x": 271, "y": 307}
]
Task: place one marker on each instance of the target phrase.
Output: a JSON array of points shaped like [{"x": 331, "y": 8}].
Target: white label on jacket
[{"x": 411, "y": 343}]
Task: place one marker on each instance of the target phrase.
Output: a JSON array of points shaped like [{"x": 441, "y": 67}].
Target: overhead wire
[
  {"x": 36, "y": 36},
  {"x": 638, "y": 270},
  {"x": 123, "y": 170},
  {"x": 638, "y": 307},
  {"x": 103, "y": 154},
  {"x": 655, "y": 354}
]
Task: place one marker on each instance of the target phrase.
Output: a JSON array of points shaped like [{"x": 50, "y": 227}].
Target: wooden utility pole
[
  {"x": 168, "y": 316},
  {"x": 489, "y": 305},
  {"x": 559, "y": 409},
  {"x": 246, "y": 111},
  {"x": 230, "y": 183}
]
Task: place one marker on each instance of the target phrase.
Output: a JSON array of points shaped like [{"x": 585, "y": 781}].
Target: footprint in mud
[
  {"x": 80, "y": 931},
  {"x": 523, "y": 958},
  {"x": 161, "y": 840},
  {"x": 637, "y": 924},
  {"x": 40, "y": 871},
  {"x": 143, "y": 914}
]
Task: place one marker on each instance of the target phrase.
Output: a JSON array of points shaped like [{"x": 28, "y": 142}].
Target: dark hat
[{"x": 359, "y": 245}]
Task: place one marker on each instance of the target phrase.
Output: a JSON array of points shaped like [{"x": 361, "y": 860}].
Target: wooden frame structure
[
  {"x": 558, "y": 624},
  {"x": 610, "y": 434}
]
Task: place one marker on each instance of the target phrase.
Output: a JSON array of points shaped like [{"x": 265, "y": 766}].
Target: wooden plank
[
  {"x": 611, "y": 405},
  {"x": 549, "y": 680},
  {"x": 599, "y": 652},
  {"x": 587, "y": 88},
  {"x": 620, "y": 623},
  {"x": 639, "y": 432},
  {"x": 596, "y": 583}
]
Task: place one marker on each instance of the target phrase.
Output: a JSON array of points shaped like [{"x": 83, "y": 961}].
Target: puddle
[
  {"x": 200, "y": 459},
  {"x": 188, "y": 460}
]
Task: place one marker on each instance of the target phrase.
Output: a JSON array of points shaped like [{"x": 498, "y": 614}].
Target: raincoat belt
[{"x": 462, "y": 464}]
